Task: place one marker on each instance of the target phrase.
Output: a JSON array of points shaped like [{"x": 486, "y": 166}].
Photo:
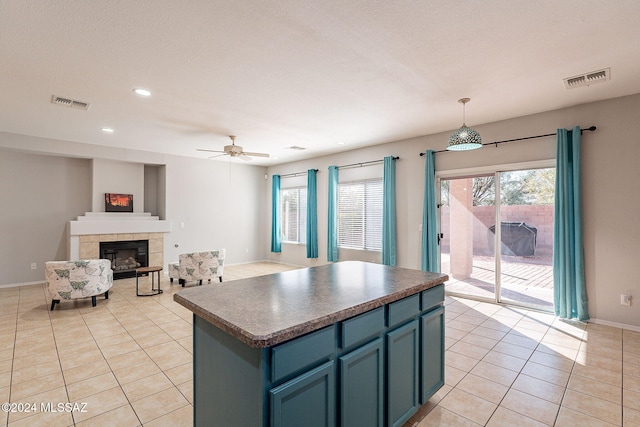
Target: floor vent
[
  {"x": 588, "y": 79},
  {"x": 72, "y": 103}
]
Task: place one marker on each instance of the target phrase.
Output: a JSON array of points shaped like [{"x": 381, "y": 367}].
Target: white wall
[
  {"x": 232, "y": 208},
  {"x": 611, "y": 205},
  {"x": 220, "y": 206},
  {"x": 39, "y": 195},
  {"x": 220, "y": 203},
  {"x": 151, "y": 189},
  {"x": 111, "y": 176}
]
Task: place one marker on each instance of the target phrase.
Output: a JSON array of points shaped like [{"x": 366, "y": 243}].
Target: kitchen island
[{"x": 349, "y": 343}]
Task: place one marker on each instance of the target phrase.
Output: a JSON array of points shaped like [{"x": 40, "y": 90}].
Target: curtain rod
[
  {"x": 591, "y": 129},
  {"x": 289, "y": 175},
  {"x": 364, "y": 163}
]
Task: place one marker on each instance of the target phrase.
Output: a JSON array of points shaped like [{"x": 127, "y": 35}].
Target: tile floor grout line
[
  {"x": 55, "y": 342},
  {"x": 110, "y": 367},
  {"x": 13, "y": 355},
  {"x": 549, "y": 331},
  {"x": 159, "y": 368},
  {"x": 510, "y": 387},
  {"x": 478, "y": 336}
]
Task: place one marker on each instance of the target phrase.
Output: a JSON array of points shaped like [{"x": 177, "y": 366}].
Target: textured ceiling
[{"x": 303, "y": 73}]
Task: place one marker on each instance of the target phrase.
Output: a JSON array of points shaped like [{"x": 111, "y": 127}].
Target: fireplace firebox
[{"x": 125, "y": 256}]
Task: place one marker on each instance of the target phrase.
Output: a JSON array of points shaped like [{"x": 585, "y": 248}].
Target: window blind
[
  {"x": 360, "y": 215},
  {"x": 294, "y": 214}
]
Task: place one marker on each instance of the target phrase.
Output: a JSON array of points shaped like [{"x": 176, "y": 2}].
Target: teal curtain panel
[
  {"x": 429, "y": 255},
  {"x": 570, "y": 294},
  {"x": 312, "y": 215},
  {"x": 389, "y": 212},
  {"x": 332, "y": 215},
  {"x": 276, "y": 230}
]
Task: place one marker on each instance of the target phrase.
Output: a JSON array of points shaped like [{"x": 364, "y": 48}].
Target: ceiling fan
[{"x": 234, "y": 150}]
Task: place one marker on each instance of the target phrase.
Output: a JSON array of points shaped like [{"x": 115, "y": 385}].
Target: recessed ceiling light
[
  {"x": 142, "y": 92},
  {"x": 107, "y": 130}
]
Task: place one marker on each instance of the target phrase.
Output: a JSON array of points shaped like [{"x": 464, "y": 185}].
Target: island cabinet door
[
  {"x": 431, "y": 353},
  {"x": 402, "y": 373},
  {"x": 307, "y": 400},
  {"x": 362, "y": 386}
]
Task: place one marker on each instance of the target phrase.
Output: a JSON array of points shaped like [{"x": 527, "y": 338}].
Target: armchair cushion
[
  {"x": 68, "y": 280},
  {"x": 198, "y": 266}
]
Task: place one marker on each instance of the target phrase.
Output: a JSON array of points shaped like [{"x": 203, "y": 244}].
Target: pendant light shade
[{"x": 464, "y": 138}]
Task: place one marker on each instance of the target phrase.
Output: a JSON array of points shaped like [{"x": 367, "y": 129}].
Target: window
[
  {"x": 360, "y": 215},
  {"x": 293, "y": 205}
]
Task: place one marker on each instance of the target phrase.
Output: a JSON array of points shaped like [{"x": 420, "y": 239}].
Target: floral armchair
[
  {"x": 67, "y": 280},
  {"x": 198, "y": 266}
]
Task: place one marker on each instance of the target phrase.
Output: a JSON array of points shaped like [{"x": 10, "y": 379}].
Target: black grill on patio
[{"x": 518, "y": 238}]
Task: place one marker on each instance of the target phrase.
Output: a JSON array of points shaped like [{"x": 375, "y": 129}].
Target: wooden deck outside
[{"x": 524, "y": 280}]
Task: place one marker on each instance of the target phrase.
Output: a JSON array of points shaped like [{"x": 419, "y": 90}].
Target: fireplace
[{"x": 125, "y": 256}]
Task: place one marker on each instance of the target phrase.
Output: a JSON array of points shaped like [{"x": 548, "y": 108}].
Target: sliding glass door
[
  {"x": 521, "y": 202},
  {"x": 526, "y": 236},
  {"x": 467, "y": 210}
]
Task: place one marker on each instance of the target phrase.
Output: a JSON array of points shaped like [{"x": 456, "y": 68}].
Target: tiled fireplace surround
[
  {"x": 86, "y": 233},
  {"x": 90, "y": 244}
]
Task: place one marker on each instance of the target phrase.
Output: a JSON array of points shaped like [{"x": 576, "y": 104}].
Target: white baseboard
[
  {"x": 15, "y": 285},
  {"x": 615, "y": 324},
  {"x": 268, "y": 261}
]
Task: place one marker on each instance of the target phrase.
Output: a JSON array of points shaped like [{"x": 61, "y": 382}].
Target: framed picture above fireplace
[{"x": 118, "y": 202}]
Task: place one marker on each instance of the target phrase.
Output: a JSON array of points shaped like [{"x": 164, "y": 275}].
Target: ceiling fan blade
[
  {"x": 256, "y": 154},
  {"x": 219, "y": 155},
  {"x": 210, "y": 151},
  {"x": 245, "y": 157}
]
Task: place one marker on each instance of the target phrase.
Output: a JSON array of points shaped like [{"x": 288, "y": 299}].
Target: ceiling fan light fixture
[
  {"x": 234, "y": 150},
  {"x": 464, "y": 138}
]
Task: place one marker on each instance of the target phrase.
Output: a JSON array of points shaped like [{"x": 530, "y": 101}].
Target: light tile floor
[
  {"x": 129, "y": 360},
  {"x": 506, "y": 366}
]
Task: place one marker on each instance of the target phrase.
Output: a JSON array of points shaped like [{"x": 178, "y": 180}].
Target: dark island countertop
[{"x": 266, "y": 310}]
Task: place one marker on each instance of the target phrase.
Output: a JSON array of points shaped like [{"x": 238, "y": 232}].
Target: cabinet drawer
[
  {"x": 302, "y": 353},
  {"x": 432, "y": 297},
  {"x": 363, "y": 327},
  {"x": 403, "y": 310}
]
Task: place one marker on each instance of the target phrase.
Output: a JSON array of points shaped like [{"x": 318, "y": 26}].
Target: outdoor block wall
[{"x": 537, "y": 216}]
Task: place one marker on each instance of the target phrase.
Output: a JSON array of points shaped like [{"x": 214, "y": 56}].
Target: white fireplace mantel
[
  {"x": 117, "y": 222},
  {"x": 104, "y": 223}
]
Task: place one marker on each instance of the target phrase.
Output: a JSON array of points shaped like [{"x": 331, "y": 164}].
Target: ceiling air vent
[
  {"x": 588, "y": 79},
  {"x": 72, "y": 103},
  {"x": 295, "y": 147}
]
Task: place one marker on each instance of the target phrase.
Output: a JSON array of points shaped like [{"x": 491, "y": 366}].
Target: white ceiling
[{"x": 304, "y": 73}]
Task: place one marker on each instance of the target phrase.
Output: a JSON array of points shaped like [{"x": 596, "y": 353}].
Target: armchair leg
[
  {"x": 170, "y": 279},
  {"x": 182, "y": 282},
  {"x": 220, "y": 279},
  {"x": 54, "y": 302},
  {"x": 200, "y": 282},
  {"x": 93, "y": 301},
  {"x": 106, "y": 295}
]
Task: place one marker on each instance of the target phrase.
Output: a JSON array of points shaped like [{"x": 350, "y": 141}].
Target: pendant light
[{"x": 464, "y": 138}]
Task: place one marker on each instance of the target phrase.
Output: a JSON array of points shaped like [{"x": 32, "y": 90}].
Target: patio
[{"x": 524, "y": 280}]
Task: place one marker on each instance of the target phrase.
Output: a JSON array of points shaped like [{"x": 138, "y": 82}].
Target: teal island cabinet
[{"x": 344, "y": 344}]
